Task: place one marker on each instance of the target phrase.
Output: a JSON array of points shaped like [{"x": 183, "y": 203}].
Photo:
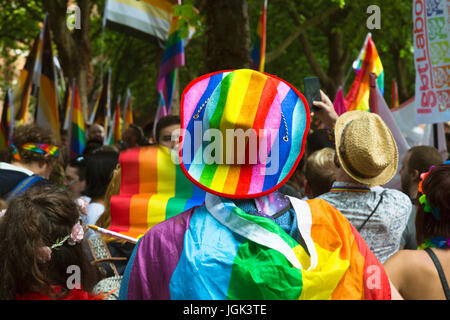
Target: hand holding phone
[{"x": 312, "y": 92}]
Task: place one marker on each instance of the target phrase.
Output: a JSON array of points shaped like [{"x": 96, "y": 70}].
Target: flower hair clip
[{"x": 76, "y": 236}]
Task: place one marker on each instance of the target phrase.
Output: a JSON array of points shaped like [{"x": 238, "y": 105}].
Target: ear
[
  {"x": 415, "y": 175},
  {"x": 308, "y": 191}
]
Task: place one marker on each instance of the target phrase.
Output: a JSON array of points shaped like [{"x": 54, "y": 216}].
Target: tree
[{"x": 228, "y": 35}]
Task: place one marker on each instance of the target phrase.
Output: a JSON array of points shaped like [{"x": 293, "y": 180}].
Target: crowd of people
[{"x": 47, "y": 200}]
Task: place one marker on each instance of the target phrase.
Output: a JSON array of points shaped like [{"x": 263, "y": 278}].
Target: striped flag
[
  {"x": 76, "y": 129},
  {"x": 7, "y": 120},
  {"x": 26, "y": 83},
  {"x": 173, "y": 58},
  {"x": 101, "y": 114},
  {"x": 128, "y": 112},
  {"x": 395, "y": 100},
  {"x": 228, "y": 254},
  {"x": 367, "y": 62},
  {"x": 153, "y": 189},
  {"x": 145, "y": 19},
  {"x": 47, "y": 113},
  {"x": 258, "y": 53}
]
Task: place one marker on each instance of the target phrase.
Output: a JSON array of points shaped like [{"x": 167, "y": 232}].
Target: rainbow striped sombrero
[{"x": 243, "y": 132}]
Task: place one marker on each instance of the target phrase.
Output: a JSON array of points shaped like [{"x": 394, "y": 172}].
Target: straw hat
[
  {"x": 366, "y": 148},
  {"x": 241, "y": 101}
]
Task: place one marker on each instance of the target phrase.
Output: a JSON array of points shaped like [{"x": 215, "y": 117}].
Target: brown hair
[
  {"x": 436, "y": 187},
  {"x": 33, "y": 133},
  {"x": 36, "y": 219},
  {"x": 320, "y": 171},
  {"x": 422, "y": 158}
]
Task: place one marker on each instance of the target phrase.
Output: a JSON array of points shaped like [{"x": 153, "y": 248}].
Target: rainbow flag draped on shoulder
[
  {"x": 258, "y": 53},
  {"x": 153, "y": 189},
  {"x": 367, "y": 62},
  {"x": 218, "y": 252}
]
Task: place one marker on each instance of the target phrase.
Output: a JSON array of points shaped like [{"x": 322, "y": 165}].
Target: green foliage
[{"x": 135, "y": 63}]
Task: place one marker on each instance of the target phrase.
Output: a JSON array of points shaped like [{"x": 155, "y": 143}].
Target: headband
[{"x": 45, "y": 149}]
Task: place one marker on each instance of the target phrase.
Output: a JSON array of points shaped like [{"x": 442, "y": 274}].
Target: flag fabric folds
[
  {"x": 367, "y": 62},
  {"x": 116, "y": 131},
  {"x": 173, "y": 58},
  {"x": 153, "y": 189},
  {"x": 128, "y": 112},
  {"x": 47, "y": 113},
  {"x": 395, "y": 98},
  {"x": 339, "y": 102},
  {"x": 145, "y": 19},
  {"x": 101, "y": 114},
  {"x": 258, "y": 52},
  {"x": 7, "y": 120},
  {"x": 77, "y": 138},
  {"x": 227, "y": 253},
  {"x": 26, "y": 83}
]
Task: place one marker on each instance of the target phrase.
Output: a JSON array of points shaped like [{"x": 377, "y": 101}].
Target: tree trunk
[
  {"x": 401, "y": 75},
  {"x": 228, "y": 35},
  {"x": 74, "y": 48}
]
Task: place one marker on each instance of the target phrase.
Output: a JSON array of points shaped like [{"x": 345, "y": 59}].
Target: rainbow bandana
[
  {"x": 243, "y": 132},
  {"x": 45, "y": 149}
]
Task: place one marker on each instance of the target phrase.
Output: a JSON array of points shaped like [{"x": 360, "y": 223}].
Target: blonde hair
[
  {"x": 320, "y": 171},
  {"x": 104, "y": 221}
]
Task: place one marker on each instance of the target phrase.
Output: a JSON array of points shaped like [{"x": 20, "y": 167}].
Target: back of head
[
  {"x": 99, "y": 168},
  {"x": 423, "y": 157},
  {"x": 39, "y": 218},
  {"x": 434, "y": 220},
  {"x": 31, "y": 133},
  {"x": 320, "y": 171}
]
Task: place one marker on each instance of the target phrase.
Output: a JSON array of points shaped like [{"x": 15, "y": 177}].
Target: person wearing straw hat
[
  {"x": 242, "y": 135},
  {"x": 367, "y": 158}
]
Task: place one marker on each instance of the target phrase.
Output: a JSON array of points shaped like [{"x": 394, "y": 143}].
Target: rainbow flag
[
  {"x": 76, "y": 128},
  {"x": 47, "y": 113},
  {"x": 128, "y": 112},
  {"x": 173, "y": 58},
  {"x": 153, "y": 189},
  {"x": 367, "y": 62},
  {"x": 395, "y": 100},
  {"x": 7, "y": 120},
  {"x": 258, "y": 53},
  {"x": 219, "y": 252}
]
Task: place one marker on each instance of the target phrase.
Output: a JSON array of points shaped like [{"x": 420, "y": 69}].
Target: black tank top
[{"x": 440, "y": 271}]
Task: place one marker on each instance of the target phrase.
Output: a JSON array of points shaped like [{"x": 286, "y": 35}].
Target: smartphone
[{"x": 312, "y": 92}]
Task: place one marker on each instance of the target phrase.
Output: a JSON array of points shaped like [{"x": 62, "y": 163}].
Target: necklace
[{"x": 436, "y": 242}]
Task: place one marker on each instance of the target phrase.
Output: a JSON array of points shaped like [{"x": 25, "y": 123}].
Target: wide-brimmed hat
[
  {"x": 366, "y": 147},
  {"x": 243, "y": 132}
]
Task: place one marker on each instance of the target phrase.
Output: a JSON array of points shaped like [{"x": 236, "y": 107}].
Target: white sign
[{"x": 432, "y": 60}]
